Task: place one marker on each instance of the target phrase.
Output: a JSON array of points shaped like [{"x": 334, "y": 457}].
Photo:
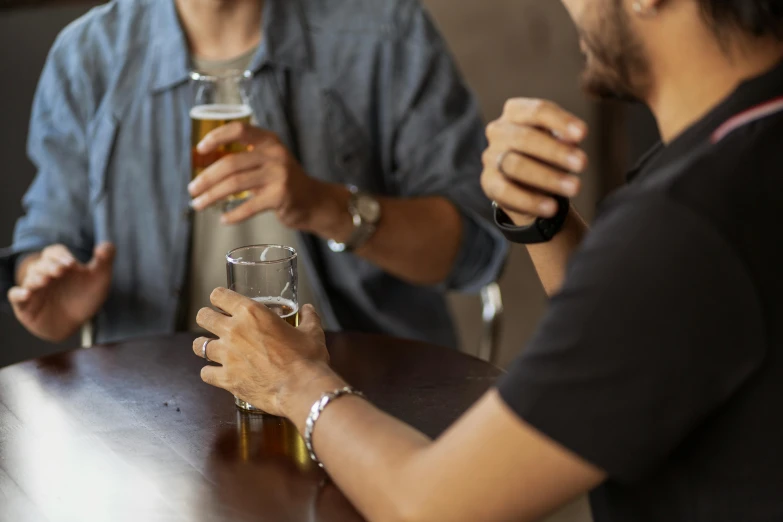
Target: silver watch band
[
  {"x": 360, "y": 235},
  {"x": 364, "y": 225}
]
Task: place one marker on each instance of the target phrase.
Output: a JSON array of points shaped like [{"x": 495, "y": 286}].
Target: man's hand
[
  {"x": 263, "y": 359},
  {"x": 267, "y": 170},
  {"x": 57, "y": 294},
  {"x": 533, "y": 153}
]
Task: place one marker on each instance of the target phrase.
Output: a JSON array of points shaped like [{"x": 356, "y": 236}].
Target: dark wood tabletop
[{"x": 129, "y": 432}]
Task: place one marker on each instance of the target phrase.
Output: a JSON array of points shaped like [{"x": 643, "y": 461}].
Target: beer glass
[
  {"x": 264, "y": 437},
  {"x": 266, "y": 274},
  {"x": 218, "y": 100}
]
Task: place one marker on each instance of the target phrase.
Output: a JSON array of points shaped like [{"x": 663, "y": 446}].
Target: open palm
[{"x": 59, "y": 294}]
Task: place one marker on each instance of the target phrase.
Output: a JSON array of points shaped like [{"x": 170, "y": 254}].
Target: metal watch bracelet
[{"x": 315, "y": 414}]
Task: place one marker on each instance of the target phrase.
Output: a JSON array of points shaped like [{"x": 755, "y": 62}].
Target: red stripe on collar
[{"x": 756, "y": 113}]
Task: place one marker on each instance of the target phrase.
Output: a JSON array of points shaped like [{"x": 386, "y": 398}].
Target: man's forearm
[
  {"x": 416, "y": 240},
  {"x": 355, "y": 441},
  {"x": 551, "y": 259},
  {"x": 488, "y": 466}
]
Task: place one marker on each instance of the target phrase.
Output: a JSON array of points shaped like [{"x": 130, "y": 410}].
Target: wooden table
[{"x": 129, "y": 432}]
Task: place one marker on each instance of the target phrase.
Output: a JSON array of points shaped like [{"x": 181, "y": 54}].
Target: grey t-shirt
[{"x": 211, "y": 240}]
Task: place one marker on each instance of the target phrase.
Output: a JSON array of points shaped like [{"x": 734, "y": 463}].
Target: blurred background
[{"x": 505, "y": 48}]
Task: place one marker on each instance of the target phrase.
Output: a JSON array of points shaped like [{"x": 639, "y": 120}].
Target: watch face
[{"x": 368, "y": 208}]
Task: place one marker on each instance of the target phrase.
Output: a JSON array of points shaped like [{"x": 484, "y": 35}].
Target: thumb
[
  {"x": 103, "y": 256},
  {"x": 309, "y": 321},
  {"x": 18, "y": 296}
]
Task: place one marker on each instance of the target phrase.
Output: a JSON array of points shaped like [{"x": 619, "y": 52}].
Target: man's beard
[{"x": 616, "y": 68}]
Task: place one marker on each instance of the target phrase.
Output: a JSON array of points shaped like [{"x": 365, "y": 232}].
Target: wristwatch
[
  {"x": 542, "y": 230},
  {"x": 365, "y": 212}
]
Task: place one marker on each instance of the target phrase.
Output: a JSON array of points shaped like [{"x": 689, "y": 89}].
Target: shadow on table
[{"x": 261, "y": 471}]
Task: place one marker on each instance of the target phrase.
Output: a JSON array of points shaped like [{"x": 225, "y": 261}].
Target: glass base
[{"x": 246, "y": 406}]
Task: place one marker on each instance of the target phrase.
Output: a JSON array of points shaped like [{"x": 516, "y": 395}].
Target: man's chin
[{"x": 607, "y": 91}]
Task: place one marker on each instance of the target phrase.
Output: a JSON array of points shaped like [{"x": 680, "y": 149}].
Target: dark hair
[{"x": 756, "y": 17}]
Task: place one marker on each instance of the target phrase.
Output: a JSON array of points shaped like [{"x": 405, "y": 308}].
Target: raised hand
[
  {"x": 267, "y": 170},
  {"x": 533, "y": 154},
  {"x": 57, "y": 294}
]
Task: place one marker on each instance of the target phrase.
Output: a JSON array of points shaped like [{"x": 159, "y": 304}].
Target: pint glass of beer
[
  {"x": 218, "y": 100},
  {"x": 262, "y": 437},
  {"x": 268, "y": 275}
]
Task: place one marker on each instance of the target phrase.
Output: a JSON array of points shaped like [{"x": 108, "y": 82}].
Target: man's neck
[
  {"x": 699, "y": 77},
  {"x": 221, "y": 29}
]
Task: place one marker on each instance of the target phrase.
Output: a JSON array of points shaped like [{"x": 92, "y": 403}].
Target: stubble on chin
[{"x": 616, "y": 67}]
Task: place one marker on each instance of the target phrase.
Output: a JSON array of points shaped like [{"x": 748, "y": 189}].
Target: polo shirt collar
[
  {"x": 749, "y": 94},
  {"x": 286, "y": 41}
]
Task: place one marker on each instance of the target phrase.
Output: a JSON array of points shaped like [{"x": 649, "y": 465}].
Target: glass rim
[
  {"x": 291, "y": 250},
  {"x": 231, "y": 73}
]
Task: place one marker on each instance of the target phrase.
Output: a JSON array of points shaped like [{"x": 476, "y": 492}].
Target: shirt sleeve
[
  {"x": 57, "y": 203},
  {"x": 437, "y": 145},
  {"x": 658, "y": 324}
]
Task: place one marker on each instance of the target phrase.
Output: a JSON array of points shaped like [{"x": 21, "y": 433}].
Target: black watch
[{"x": 541, "y": 230}]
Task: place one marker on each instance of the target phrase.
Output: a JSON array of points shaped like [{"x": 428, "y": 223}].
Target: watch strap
[
  {"x": 360, "y": 235},
  {"x": 542, "y": 230},
  {"x": 362, "y": 230}
]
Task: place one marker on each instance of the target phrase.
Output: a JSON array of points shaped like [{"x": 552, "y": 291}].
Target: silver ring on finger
[
  {"x": 501, "y": 159},
  {"x": 204, "y": 350}
]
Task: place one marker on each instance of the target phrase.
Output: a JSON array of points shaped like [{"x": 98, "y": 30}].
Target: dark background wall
[{"x": 25, "y": 38}]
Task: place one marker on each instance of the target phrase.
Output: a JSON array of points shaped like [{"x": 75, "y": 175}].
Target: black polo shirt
[{"x": 661, "y": 360}]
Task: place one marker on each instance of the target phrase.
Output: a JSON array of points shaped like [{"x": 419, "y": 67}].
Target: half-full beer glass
[
  {"x": 263, "y": 437},
  {"x": 266, "y": 274},
  {"x": 218, "y": 100}
]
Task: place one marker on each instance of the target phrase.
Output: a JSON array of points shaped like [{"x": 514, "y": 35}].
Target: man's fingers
[
  {"x": 522, "y": 200},
  {"x": 309, "y": 318},
  {"x": 235, "y": 132},
  {"x": 59, "y": 254},
  {"x": 25, "y": 302},
  {"x": 44, "y": 270},
  {"x": 234, "y": 184},
  {"x": 36, "y": 280},
  {"x": 229, "y": 133},
  {"x": 54, "y": 270},
  {"x": 214, "y": 349},
  {"x": 266, "y": 199},
  {"x": 228, "y": 301},
  {"x": 537, "y": 144},
  {"x": 103, "y": 256},
  {"x": 19, "y": 296},
  {"x": 212, "y": 375},
  {"x": 226, "y": 167},
  {"x": 105, "y": 251},
  {"x": 212, "y": 321},
  {"x": 310, "y": 322},
  {"x": 533, "y": 173},
  {"x": 547, "y": 115}
]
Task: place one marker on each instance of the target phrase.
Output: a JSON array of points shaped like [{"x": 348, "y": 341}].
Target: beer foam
[
  {"x": 220, "y": 111},
  {"x": 272, "y": 302}
]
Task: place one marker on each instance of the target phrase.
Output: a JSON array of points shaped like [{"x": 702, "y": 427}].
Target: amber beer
[
  {"x": 264, "y": 437},
  {"x": 206, "y": 118},
  {"x": 285, "y": 309}
]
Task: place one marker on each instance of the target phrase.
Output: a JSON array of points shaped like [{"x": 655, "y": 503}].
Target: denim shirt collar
[{"x": 286, "y": 42}]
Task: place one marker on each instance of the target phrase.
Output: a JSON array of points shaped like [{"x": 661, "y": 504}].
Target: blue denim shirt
[{"x": 362, "y": 92}]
